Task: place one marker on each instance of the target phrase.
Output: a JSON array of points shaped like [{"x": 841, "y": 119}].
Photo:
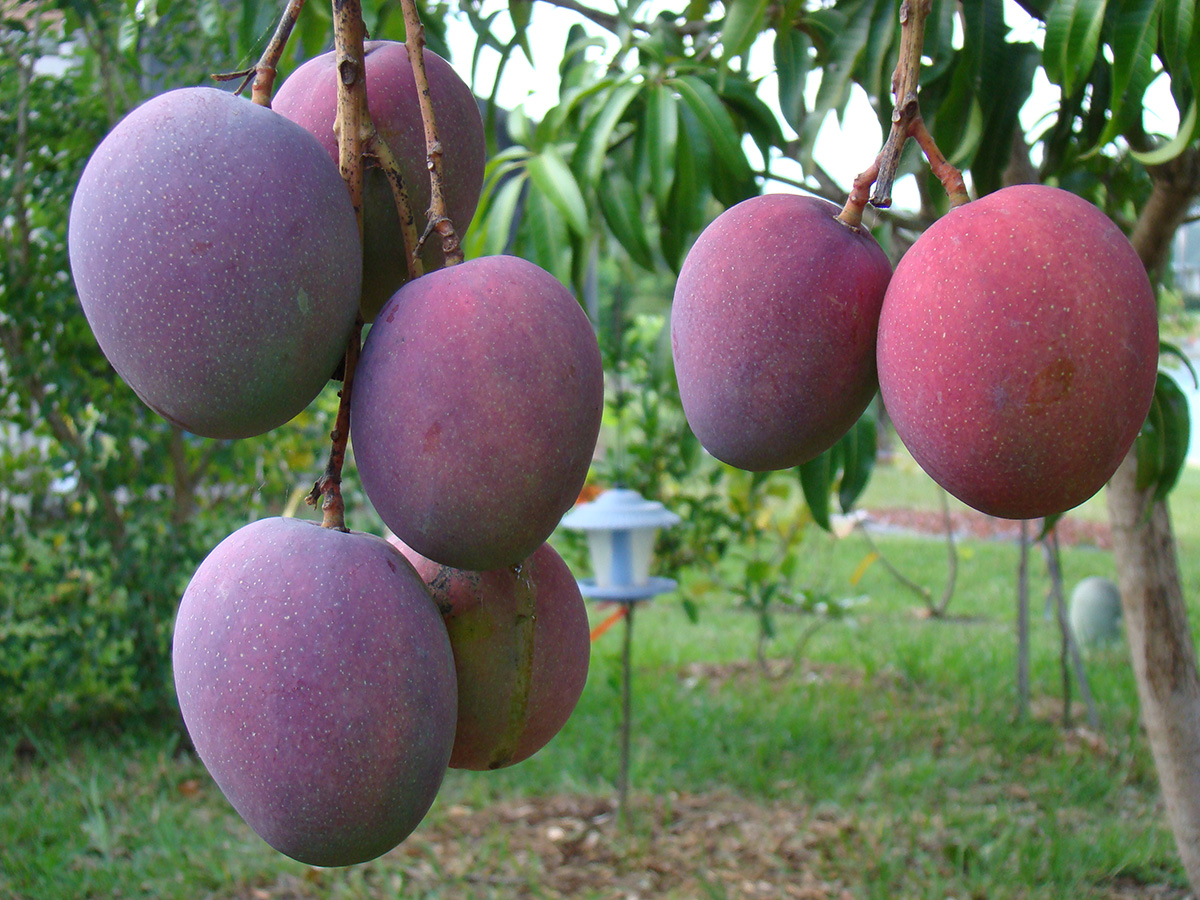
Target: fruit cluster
[
  {"x": 327, "y": 678},
  {"x": 1015, "y": 347}
]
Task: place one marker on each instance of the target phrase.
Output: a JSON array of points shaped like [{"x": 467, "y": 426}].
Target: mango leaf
[
  {"x": 554, "y": 179},
  {"x": 1149, "y": 446},
  {"x": 558, "y": 121},
  {"x": 1177, "y": 34},
  {"x": 210, "y": 16},
  {"x": 939, "y": 38},
  {"x": 859, "y": 446},
  {"x": 691, "y": 610},
  {"x": 1072, "y": 41},
  {"x": 1172, "y": 148},
  {"x": 816, "y": 481},
  {"x": 1003, "y": 91},
  {"x": 1166, "y": 348},
  {"x": 714, "y": 118},
  {"x": 593, "y": 146},
  {"x": 659, "y": 133},
  {"x": 1048, "y": 524},
  {"x": 758, "y": 120},
  {"x": 314, "y": 27},
  {"x": 1134, "y": 40},
  {"x": 872, "y": 70},
  {"x": 542, "y": 223},
  {"x": 984, "y": 37},
  {"x": 837, "y": 67},
  {"x": 501, "y": 216},
  {"x": 957, "y": 123},
  {"x": 521, "y": 11},
  {"x": 685, "y": 205},
  {"x": 1176, "y": 433},
  {"x": 791, "y": 66},
  {"x": 620, "y": 203},
  {"x": 743, "y": 22}
]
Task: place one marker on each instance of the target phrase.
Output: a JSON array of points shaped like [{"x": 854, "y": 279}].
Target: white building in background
[{"x": 1185, "y": 262}]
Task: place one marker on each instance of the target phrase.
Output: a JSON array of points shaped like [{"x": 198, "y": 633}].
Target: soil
[
  {"x": 681, "y": 845},
  {"x": 968, "y": 523}
]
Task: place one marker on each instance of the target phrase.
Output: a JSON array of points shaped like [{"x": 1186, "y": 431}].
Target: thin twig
[
  {"x": 1070, "y": 647},
  {"x": 263, "y": 74},
  {"x": 906, "y": 123},
  {"x": 329, "y": 485},
  {"x": 439, "y": 219},
  {"x": 378, "y": 149},
  {"x": 952, "y": 560},
  {"x": 917, "y": 589},
  {"x": 352, "y": 125}
]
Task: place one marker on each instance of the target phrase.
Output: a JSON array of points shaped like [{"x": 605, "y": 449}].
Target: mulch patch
[
  {"x": 680, "y": 846},
  {"x": 967, "y": 523}
]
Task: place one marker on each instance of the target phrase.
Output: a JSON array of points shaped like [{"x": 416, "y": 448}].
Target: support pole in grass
[
  {"x": 1023, "y": 624},
  {"x": 1070, "y": 657},
  {"x": 626, "y": 716},
  {"x": 621, "y": 527}
]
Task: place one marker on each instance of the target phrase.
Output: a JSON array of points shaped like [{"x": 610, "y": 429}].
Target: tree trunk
[
  {"x": 1156, "y": 622},
  {"x": 1164, "y": 658}
]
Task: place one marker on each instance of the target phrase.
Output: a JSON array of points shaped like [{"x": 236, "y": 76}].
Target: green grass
[{"x": 899, "y": 727}]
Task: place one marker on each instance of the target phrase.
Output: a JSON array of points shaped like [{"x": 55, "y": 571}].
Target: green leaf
[
  {"x": 1048, "y": 524},
  {"x": 749, "y": 111},
  {"x": 660, "y": 132},
  {"x": 858, "y": 460},
  {"x": 1151, "y": 452},
  {"x": 210, "y": 15},
  {"x": 542, "y": 223},
  {"x": 690, "y": 610},
  {"x": 621, "y": 207},
  {"x": 593, "y": 146},
  {"x": 1177, "y": 35},
  {"x": 501, "y": 216},
  {"x": 848, "y": 44},
  {"x": 733, "y": 179},
  {"x": 714, "y": 118},
  {"x": 743, "y": 22},
  {"x": 816, "y": 480},
  {"x": 1004, "y": 89},
  {"x": 685, "y": 205},
  {"x": 957, "y": 122},
  {"x": 1176, "y": 433},
  {"x": 555, "y": 180},
  {"x": 1174, "y": 147},
  {"x": 1166, "y": 348},
  {"x": 521, "y": 11},
  {"x": 792, "y": 65},
  {"x": 1072, "y": 41},
  {"x": 1134, "y": 40},
  {"x": 872, "y": 69}
]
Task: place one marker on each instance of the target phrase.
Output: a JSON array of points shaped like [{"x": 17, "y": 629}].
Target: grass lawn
[{"x": 884, "y": 762}]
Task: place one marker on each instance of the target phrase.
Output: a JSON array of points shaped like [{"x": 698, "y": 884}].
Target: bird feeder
[{"x": 621, "y": 528}]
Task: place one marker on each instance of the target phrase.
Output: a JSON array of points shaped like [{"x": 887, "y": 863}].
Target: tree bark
[
  {"x": 1156, "y": 621},
  {"x": 1163, "y": 656}
]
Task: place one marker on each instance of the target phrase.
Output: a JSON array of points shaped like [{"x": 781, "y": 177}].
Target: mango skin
[
  {"x": 317, "y": 683},
  {"x": 482, "y": 612},
  {"x": 309, "y": 97},
  {"x": 221, "y": 282},
  {"x": 773, "y": 330},
  {"x": 476, "y": 409},
  {"x": 1018, "y": 351}
]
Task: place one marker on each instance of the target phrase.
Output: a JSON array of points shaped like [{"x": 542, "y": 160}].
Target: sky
[{"x": 843, "y": 149}]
